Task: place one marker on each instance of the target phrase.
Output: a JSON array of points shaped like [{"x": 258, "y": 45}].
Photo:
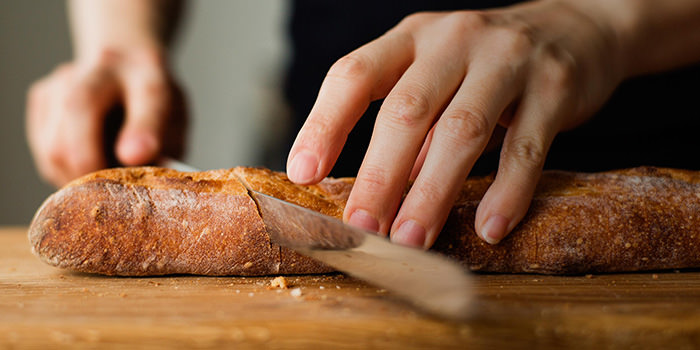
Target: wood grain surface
[{"x": 43, "y": 307}]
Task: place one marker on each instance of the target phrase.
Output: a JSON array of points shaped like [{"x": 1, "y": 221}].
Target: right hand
[{"x": 66, "y": 113}]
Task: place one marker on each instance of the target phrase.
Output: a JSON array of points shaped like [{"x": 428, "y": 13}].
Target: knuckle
[
  {"x": 469, "y": 20},
  {"x": 559, "y": 67},
  {"x": 317, "y": 127},
  {"x": 107, "y": 57},
  {"x": 374, "y": 179},
  {"x": 455, "y": 25},
  {"x": 513, "y": 40},
  {"x": 466, "y": 126},
  {"x": 351, "y": 67},
  {"x": 78, "y": 100},
  {"x": 406, "y": 109},
  {"x": 430, "y": 191},
  {"x": 525, "y": 151},
  {"x": 415, "y": 19}
]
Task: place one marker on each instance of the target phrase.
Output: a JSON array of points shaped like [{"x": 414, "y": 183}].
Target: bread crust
[
  {"x": 151, "y": 221},
  {"x": 630, "y": 220}
]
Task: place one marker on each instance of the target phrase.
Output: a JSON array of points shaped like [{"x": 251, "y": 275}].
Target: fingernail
[
  {"x": 410, "y": 233},
  {"x": 361, "y": 218},
  {"x": 494, "y": 229},
  {"x": 303, "y": 167}
]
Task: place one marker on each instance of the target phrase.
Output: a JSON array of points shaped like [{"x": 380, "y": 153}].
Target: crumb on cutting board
[
  {"x": 279, "y": 282},
  {"x": 296, "y": 292}
]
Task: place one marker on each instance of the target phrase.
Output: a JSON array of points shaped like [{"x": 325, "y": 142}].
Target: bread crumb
[
  {"x": 321, "y": 287},
  {"x": 238, "y": 291},
  {"x": 247, "y": 265},
  {"x": 645, "y": 259},
  {"x": 296, "y": 292},
  {"x": 589, "y": 276},
  {"x": 627, "y": 245},
  {"x": 279, "y": 282},
  {"x": 337, "y": 287},
  {"x": 655, "y": 276},
  {"x": 251, "y": 294},
  {"x": 579, "y": 241}
]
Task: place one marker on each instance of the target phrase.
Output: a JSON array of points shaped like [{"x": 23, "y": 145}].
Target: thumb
[{"x": 147, "y": 105}]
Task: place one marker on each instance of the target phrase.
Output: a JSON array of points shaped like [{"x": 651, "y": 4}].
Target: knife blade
[
  {"x": 170, "y": 163},
  {"x": 427, "y": 280}
]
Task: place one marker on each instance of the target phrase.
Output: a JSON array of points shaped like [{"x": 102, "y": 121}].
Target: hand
[
  {"x": 449, "y": 79},
  {"x": 66, "y": 114}
]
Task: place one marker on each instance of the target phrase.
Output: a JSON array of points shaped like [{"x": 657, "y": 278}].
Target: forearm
[
  {"x": 651, "y": 35},
  {"x": 121, "y": 25}
]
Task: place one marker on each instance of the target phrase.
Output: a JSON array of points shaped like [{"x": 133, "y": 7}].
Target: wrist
[
  {"x": 123, "y": 27},
  {"x": 618, "y": 21}
]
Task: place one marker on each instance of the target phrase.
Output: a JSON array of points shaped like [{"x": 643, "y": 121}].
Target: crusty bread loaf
[{"x": 152, "y": 221}]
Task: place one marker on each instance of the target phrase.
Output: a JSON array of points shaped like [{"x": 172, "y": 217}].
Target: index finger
[
  {"x": 400, "y": 130},
  {"x": 350, "y": 85}
]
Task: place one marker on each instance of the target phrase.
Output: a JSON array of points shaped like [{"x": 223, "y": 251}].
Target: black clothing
[{"x": 648, "y": 121}]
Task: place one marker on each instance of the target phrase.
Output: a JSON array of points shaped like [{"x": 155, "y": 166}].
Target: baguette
[{"x": 154, "y": 221}]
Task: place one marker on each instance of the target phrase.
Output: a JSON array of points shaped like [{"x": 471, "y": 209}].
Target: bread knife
[{"x": 427, "y": 280}]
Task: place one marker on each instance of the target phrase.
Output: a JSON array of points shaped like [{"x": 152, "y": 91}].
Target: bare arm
[
  {"x": 122, "y": 25},
  {"x": 653, "y": 36}
]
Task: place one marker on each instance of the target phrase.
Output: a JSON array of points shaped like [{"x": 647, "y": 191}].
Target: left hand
[{"x": 449, "y": 79}]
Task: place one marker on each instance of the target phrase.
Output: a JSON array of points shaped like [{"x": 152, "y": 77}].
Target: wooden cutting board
[{"x": 44, "y": 307}]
